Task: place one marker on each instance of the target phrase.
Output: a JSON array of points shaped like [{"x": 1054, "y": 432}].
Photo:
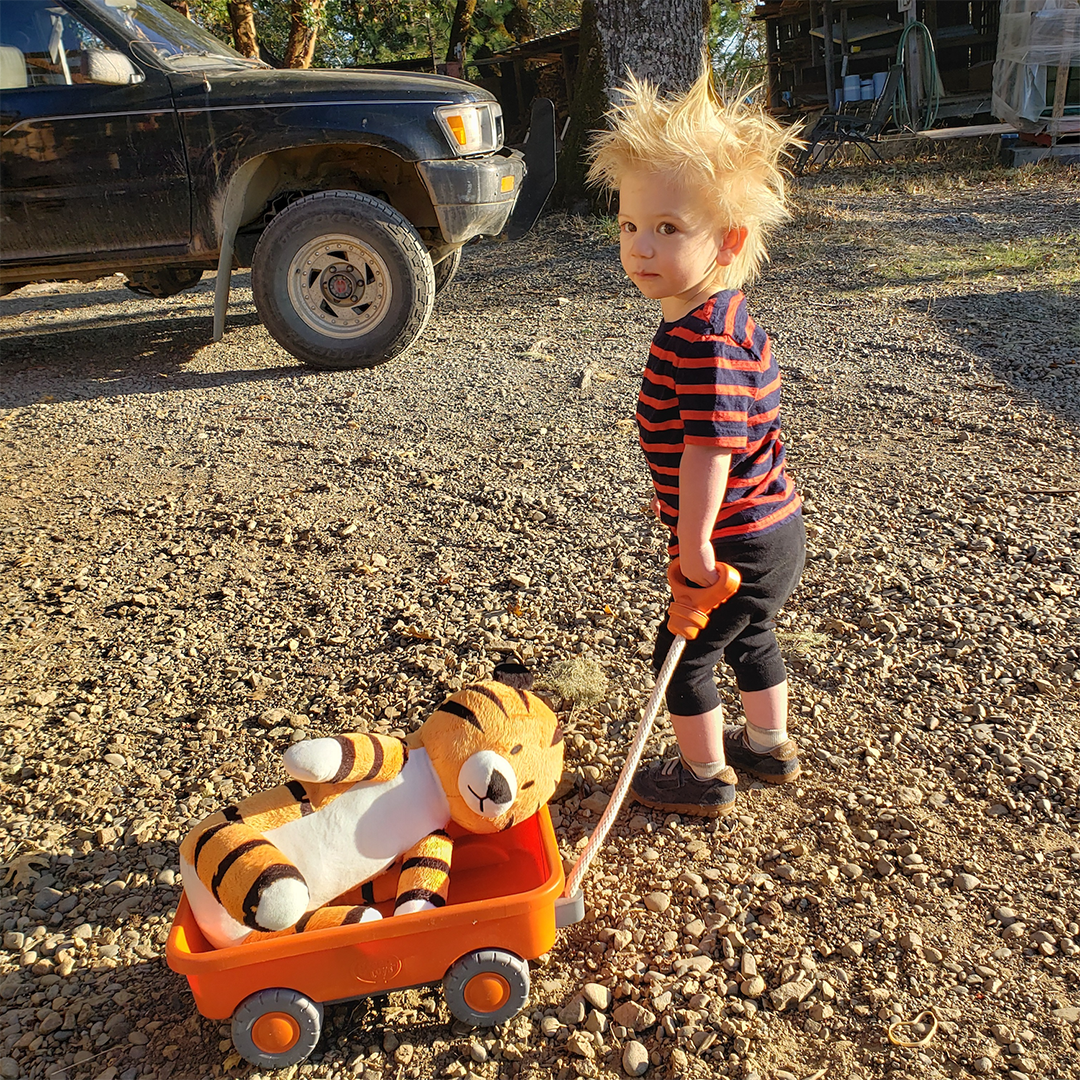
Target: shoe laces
[{"x": 670, "y": 766}]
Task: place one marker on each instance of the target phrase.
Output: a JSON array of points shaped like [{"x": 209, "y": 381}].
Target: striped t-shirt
[{"x": 711, "y": 380}]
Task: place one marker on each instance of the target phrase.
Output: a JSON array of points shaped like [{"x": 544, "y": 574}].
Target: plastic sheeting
[{"x": 1034, "y": 36}]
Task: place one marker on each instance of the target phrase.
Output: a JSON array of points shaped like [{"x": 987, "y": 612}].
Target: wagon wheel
[
  {"x": 276, "y": 1028},
  {"x": 487, "y": 987}
]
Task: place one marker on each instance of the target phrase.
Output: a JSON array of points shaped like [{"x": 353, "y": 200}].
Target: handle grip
[{"x": 688, "y": 613}]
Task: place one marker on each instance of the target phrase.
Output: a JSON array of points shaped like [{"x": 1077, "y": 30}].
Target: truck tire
[
  {"x": 486, "y": 987},
  {"x": 275, "y": 1028},
  {"x": 445, "y": 270},
  {"x": 341, "y": 280}
]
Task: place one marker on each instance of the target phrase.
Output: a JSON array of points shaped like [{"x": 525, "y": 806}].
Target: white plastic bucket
[
  {"x": 880, "y": 78},
  {"x": 867, "y": 89},
  {"x": 852, "y": 88}
]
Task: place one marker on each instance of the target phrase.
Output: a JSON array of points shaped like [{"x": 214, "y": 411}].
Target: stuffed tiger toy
[{"x": 315, "y": 852}]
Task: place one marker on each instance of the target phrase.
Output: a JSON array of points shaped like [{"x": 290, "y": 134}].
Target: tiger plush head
[{"x": 497, "y": 750}]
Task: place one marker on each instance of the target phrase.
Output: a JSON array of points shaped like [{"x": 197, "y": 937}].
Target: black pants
[{"x": 742, "y": 630}]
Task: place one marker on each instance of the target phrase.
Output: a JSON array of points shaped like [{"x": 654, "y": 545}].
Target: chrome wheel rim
[{"x": 339, "y": 286}]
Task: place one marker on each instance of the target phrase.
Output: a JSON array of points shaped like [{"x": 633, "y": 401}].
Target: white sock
[
  {"x": 762, "y": 740},
  {"x": 705, "y": 770}
]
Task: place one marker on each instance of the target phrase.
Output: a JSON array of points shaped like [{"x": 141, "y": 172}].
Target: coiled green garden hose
[{"x": 904, "y": 109}]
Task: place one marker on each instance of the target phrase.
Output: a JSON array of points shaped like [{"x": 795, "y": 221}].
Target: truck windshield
[{"x": 156, "y": 27}]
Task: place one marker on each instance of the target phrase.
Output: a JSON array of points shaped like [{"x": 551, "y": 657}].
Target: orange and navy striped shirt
[{"x": 711, "y": 380}]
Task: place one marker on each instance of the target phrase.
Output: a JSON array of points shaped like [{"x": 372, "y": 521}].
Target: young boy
[{"x": 699, "y": 189}]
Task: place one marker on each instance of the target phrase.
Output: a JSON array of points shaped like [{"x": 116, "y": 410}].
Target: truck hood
[{"x": 225, "y": 85}]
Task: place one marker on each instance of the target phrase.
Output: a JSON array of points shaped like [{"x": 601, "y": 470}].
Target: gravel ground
[{"x": 207, "y": 552}]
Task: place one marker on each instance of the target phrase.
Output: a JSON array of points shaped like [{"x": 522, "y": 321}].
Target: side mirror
[{"x": 107, "y": 67}]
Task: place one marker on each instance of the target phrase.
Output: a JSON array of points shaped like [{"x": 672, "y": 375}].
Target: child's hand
[
  {"x": 654, "y": 507},
  {"x": 699, "y": 564}
]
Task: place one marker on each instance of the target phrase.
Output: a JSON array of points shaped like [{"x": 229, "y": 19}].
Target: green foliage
[
  {"x": 736, "y": 43},
  {"x": 358, "y": 32}
]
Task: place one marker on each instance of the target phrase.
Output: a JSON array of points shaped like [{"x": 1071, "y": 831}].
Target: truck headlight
[{"x": 474, "y": 128}]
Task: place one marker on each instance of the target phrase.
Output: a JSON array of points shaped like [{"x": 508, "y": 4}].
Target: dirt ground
[{"x": 207, "y": 553}]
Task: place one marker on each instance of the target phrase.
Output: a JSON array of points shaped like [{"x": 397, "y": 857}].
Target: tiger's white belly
[
  {"x": 364, "y": 830},
  {"x": 346, "y": 843}
]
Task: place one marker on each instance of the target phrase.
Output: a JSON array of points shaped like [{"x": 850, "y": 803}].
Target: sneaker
[
  {"x": 670, "y": 785},
  {"x": 777, "y": 766}
]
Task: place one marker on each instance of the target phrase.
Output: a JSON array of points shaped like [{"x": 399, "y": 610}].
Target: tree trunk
[
  {"x": 242, "y": 17},
  {"x": 305, "y": 21},
  {"x": 519, "y": 22},
  {"x": 460, "y": 30},
  {"x": 663, "y": 42}
]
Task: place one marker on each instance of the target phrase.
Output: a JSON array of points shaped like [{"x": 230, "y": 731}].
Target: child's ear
[{"x": 731, "y": 245}]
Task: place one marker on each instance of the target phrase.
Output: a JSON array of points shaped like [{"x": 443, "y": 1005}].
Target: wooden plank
[
  {"x": 830, "y": 62},
  {"x": 972, "y": 131},
  {"x": 1061, "y": 86}
]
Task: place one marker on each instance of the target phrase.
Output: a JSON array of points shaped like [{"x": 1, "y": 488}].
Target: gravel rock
[
  {"x": 635, "y": 1059},
  {"x": 597, "y": 996},
  {"x": 633, "y": 1017},
  {"x": 790, "y": 993},
  {"x": 207, "y": 553}
]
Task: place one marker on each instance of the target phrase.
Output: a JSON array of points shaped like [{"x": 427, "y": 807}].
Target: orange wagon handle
[{"x": 688, "y": 615}]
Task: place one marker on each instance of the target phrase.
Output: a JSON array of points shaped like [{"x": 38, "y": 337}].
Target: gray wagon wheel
[
  {"x": 276, "y": 1028},
  {"x": 487, "y": 987}
]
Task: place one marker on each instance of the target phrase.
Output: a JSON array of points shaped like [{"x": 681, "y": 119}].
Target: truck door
[{"x": 91, "y": 157}]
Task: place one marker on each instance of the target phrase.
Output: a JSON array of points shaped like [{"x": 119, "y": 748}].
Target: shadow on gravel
[
  {"x": 22, "y": 304},
  {"x": 1030, "y": 340},
  {"x": 111, "y": 357}
]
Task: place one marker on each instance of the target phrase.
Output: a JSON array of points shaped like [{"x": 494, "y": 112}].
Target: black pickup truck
[{"x": 133, "y": 140}]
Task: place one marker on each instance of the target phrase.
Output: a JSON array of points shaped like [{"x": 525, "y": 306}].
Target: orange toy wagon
[
  {"x": 500, "y": 913},
  {"x": 507, "y": 896}
]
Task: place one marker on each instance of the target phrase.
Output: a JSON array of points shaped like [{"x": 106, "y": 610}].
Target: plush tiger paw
[
  {"x": 346, "y": 758},
  {"x": 282, "y": 904},
  {"x": 315, "y": 760},
  {"x": 407, "y": 907}
]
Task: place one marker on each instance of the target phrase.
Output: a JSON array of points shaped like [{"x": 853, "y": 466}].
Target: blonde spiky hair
[{"x": 728, "y": 152}]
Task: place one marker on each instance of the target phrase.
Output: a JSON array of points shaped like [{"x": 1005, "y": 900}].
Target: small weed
[
  {"x": 578, "y": 680},
  {"x": 602, "y": 228}
]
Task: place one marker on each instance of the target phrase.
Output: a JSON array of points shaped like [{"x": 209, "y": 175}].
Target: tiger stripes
[
  {"x": 509, "y": 700},
  {"x": 423, "y": 877},
  {"x": 324, "y": 918},
  {"x": 228, "y": 850},
  {"x": 425, "y": 871},
  {"x": 364, "y": 758}
]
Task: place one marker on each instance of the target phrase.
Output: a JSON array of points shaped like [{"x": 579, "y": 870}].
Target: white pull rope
[{"x": 614, "y": 805}]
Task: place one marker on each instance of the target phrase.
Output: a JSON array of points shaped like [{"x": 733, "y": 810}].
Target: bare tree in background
[
  {"x": 242, "y": 19},
  {"x": 660, "y": 40},
  {"x": 305, "y": 21}
]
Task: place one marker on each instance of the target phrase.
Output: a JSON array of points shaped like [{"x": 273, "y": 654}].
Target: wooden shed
[
  {"x": 544, "y": 67},
  {"x": 809, "y": 68}
]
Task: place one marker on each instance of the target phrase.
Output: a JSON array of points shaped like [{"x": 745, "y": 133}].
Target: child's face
[{"x": 670, "y": 249}]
